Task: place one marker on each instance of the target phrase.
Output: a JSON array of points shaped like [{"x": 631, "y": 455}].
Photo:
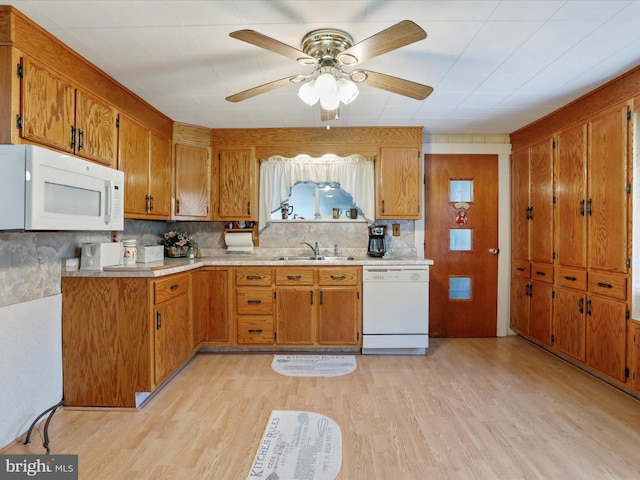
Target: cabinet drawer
[
  {"x": 542, "y": 272},
  {"x": 253, "y": 276},
  {"x": 521, "y": 268},
  {"x": 572, "y": 278},
  {"x": 339, "y": 276},
  {"x": 294, "y": 276},
  {"x": 255, "y": 329},
  {"x": 256, "y": 301},
  {"x": 170, "y": 287},
  {"x": 609, "y": 285}
]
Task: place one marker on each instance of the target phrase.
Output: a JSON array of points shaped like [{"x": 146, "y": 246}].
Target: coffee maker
[{"x": 377, "y": 247}]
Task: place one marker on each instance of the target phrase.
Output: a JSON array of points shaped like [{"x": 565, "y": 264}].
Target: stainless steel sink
[{"x": 314, "y": 258}]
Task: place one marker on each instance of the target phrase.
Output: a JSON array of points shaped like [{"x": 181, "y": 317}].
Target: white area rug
[
  {"x": 313, "y": 365},
  {"x": 298, "y": 446}
]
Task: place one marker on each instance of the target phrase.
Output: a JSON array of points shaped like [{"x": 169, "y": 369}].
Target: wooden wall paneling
[
  {"x": 7, "y": 86},
  {"x": 191, "y": 134},
  {"x": 19, "y": 31}
]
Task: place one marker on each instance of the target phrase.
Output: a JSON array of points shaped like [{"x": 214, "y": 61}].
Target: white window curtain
[{"x": 278, "y": 175}]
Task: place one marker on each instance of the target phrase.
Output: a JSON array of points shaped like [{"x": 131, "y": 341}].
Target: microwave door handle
[{"x": 108, "y": 201}]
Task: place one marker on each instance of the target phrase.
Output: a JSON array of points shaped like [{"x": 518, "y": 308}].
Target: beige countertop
[{"x": 169, "y": 266}]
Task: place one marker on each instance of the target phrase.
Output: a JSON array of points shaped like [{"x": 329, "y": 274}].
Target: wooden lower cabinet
[
  {"x": 122, "y": 336},
  {"x": 211, "y": 326},
  {"x": 606, "y": 337},
  {"x": 295, "y": 314},
  {"x": 253, "y": 305},
  {"x": 569, "y": 323},
  {"x": 633, "y": 353}
]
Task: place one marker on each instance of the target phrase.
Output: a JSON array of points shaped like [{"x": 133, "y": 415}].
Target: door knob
[{"x": 494, "y": 251}]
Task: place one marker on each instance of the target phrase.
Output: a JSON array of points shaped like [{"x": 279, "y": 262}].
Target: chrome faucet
[{"x": 316, "y": 248}]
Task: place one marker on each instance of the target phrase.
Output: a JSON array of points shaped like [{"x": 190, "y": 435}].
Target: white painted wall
[
  {"x": 30, "y": 363},
  {"x": 503, "y": 150}
]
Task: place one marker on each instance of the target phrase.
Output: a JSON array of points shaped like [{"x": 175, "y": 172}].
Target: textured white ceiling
[{"x": 495, "y": 65}]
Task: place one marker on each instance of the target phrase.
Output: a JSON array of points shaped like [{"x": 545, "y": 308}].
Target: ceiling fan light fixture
[
  {"x": 308, "y": 93},
  {"x": 347, "y": 91},
  {"x": 329, "y": 102},
  {"x": 326, "y": 84},
  {"x": 347, "y": 59},
  {"x": 358, "y": 76}
]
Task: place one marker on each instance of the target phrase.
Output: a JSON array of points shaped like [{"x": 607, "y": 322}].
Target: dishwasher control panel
[{"x": 395, "y": 274}]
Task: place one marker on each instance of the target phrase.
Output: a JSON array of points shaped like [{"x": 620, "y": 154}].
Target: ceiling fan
[{"x": 329, "y": 51}]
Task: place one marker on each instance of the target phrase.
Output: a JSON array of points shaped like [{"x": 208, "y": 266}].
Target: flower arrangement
[{"x": 177, "y": 243}]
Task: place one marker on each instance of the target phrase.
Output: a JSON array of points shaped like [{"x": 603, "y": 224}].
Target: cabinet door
[
  {"x": 97, "y": 137},
  {"x": 172, "y": 336},
  {"x": 569, "y": 322},
  {"x": 520, "y": 205},
  {"x": 159, "y": 176},
  {"x": 540, "y": 311},
  {"x": 210, "y": 307},
  {"x": 48, "y": 104},
  {"x": 236, "y": 180},
  {"x": 192, "y": 182},
  {"x": 607, "y": 183},
  {"x": 295, "y": 308},
  {"x": 606, "y": 336},
  {"x": 541, "y": 202},
  {"x": 338, "y": 315},
  {"x": 571, "y": 197},
  {"x": 520, "y": 305},
  {"x": 634, "y": 355},
  {"x": 399, "y": 185},
  {"x": 133, "y": 160}
]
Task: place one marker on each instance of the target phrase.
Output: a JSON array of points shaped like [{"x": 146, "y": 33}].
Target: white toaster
[{"x": 98, "y": 255}]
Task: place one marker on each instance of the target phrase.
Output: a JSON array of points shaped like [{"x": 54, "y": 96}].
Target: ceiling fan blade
[
  {"x": 396, "y": 85},
  {"x": 273, "y": 45},
  {"x": 267, "y": 87},
  {"x": 396, "y": 36}
]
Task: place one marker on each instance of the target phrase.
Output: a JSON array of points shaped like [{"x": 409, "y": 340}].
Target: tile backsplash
[{"x": 30, "y": 262}]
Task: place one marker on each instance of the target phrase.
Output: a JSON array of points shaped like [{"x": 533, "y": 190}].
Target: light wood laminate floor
[{"x": 492, "y": 408}]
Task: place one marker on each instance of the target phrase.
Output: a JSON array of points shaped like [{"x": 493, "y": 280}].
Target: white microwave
[{"x": 42, "y": 189}]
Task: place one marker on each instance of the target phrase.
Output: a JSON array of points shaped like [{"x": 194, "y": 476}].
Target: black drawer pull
[
  {"x": 520, "y": 269},
  {"x": 541, "y": 273},
  {"x": 338, "y": 277},
  {"x": 254, "y": 302},
  {"x": 255, "y": 330},
  {"x": 294, "y": 277},
  {"x": 604, "y": 285},
  {"x": 254, "y": 277},
  {"x": 572, "y": 279},
  {"x": 175, "y": 286}
]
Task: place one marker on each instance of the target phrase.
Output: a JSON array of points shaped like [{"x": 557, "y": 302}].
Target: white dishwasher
[{"x": 395, "y": 309}]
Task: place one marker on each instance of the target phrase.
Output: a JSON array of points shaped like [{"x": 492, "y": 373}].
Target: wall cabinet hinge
[
  {"x": 628, "y": 262},
  {"x": 553, "y": 143},
  {"x": 554, "y": 200},
  {"x": 118, "y": 122},
  {"x": 553, "y": 338},
  {"x": 553, "y": 295},
  {"x": 628, "y": 188},
  {"x": 626, "y": 372},
  {"x": 627, "y": 314},
  {"x": 628, "y": 114},
  {"x": 275, "y": 335},
  {"x": 553, "y": 256},
  {"x": 20, "y": 71},
  {"x": 19, "y": 121}
]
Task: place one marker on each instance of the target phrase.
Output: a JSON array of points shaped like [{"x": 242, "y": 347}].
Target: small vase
[{"x": 176, "y": 251}]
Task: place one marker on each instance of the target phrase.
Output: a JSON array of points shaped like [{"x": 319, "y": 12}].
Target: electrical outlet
[{"x": 396, "y": 229}]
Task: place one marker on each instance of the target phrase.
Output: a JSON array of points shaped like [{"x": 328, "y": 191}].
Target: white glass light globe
[
  {"x": 329, "y": 102},
  {"x": 347, "y": 91},
  {"x": 308, "y": 93},
  {"x": 326, "y": 84}
]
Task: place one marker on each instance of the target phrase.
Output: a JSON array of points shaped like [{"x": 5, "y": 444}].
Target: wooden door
[
  {"x": 236, "y": 179},
  {"x": 159, "y": 176},
  {"x": 133, "y": 160},
  {"x": 461, "y": 236},
  {"x": 294, "y": 310},
  {"x": 48, "y": 105},
  {"x": 338, "y": 314},
  {"x": 97, "y": 136},
  {"x": 192, "y": 182},
  {"x": 540, "y": 311},
  {"x": 569, "y": 323},
  {"x": 571, "y": 197},
  {"x": 520, "y": 204},
  {"x": 172, "y": 336},
  {"x": 398, "y": 183},
  {"x": 541, "y": 202},
  {"x": 606, "y": 337},
  {"x": 607, "y": 187}
]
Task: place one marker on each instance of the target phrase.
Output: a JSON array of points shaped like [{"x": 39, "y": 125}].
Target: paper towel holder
[{"x": 253, "y": 229}]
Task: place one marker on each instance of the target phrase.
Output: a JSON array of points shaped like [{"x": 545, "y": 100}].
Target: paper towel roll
[{"x": 239, "y": 241}]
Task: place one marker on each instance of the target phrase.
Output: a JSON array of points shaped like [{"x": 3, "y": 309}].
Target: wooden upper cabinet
[
  {"x": 96, "y": 132},
  {"x": 55, "y": 114},
  {"x": 571, "y": 197},
  {"x": 236, "y": 184},
  {"x": 47, "y": 107},
  {"x": 541, "y": 201},
  {"x": 520, "y": 204},
  {"x": 159, "y": 175},
  {"x": 607, "y": 188},
  {"x": 398, "y": 183},
  {"x": 192, "y": 182},
  {"x": 133, "y": 160}
]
